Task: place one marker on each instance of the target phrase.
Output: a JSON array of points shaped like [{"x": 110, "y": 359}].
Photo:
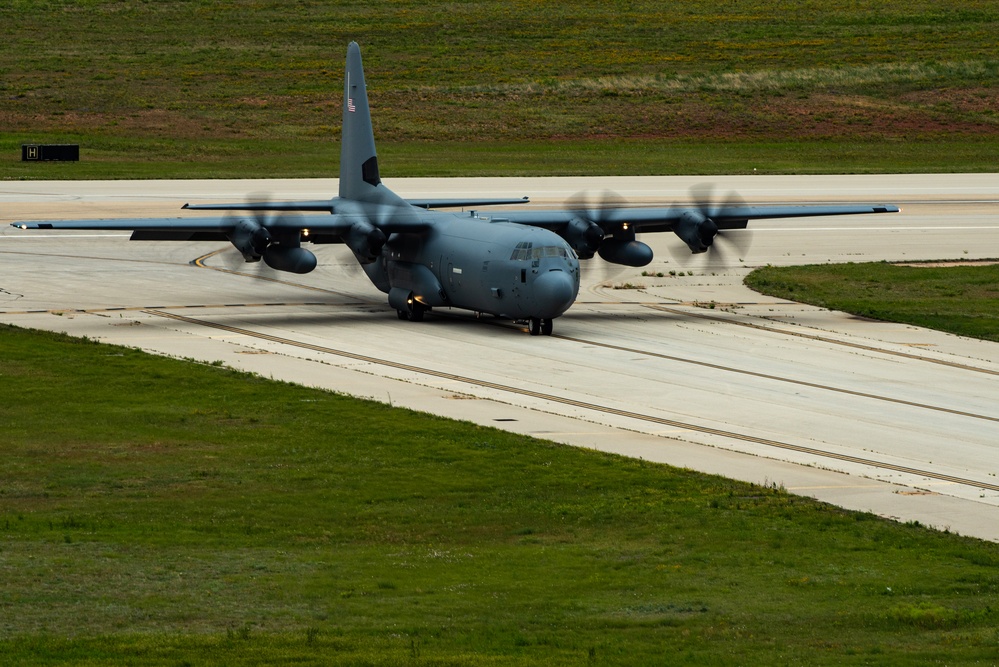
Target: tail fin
[{"x": 359, "y": 177}]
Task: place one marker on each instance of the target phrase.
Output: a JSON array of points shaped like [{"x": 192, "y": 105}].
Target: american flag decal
[{"x": 350, "y": 105}]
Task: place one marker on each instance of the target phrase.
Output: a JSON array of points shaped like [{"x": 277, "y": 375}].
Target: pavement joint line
[
  {"x": 826, "y": 339},
  {"x": 581, "y": 404},
  {"x": 777, "y": 378}
]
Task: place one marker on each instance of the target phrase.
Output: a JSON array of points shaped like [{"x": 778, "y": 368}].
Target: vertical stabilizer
[{"x": 359, "y": 177}]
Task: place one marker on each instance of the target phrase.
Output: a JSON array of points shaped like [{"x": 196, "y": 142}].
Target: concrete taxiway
[{"x": 689, "y": 368}]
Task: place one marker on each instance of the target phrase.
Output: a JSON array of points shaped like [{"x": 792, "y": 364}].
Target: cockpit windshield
[{"x": 525, "y": 251}]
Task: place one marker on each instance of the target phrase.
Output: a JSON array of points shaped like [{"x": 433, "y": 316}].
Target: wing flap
[{"x": 169, "y": 235}]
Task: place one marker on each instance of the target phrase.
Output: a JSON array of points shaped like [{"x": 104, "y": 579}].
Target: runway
[{"x": 688, "y": 368}]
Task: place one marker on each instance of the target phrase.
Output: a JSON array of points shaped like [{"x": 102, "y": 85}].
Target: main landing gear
[
  {"x": 539, "y": 327},
  {"x": 414, "y": 313}
]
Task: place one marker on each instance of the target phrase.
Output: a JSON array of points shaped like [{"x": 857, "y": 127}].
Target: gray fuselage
[{"x": 471, "y": 262}]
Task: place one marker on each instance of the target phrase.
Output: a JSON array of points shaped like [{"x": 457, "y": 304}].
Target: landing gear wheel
[
  {"x": 547, "y": 326},
  {"x": 535, "y": 326},
  {"x": 414, "y": 312}
]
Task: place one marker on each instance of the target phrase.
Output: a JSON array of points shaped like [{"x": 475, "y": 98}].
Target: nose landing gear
[{"x": 539, "y": 327}]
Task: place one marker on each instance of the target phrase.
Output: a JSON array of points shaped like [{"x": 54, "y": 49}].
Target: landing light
[
  {"x": 305, "y": 232},
  {"x": 624, "y": 226}
]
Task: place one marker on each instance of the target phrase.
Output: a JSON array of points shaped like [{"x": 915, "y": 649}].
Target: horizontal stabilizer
[
  {"x": 323, "y": 205},
  {"x": 329, "y": 205},
  {"x": 464, "y": 203}
]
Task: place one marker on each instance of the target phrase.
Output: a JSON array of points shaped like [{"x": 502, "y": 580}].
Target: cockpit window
[{"x": 524, "y": 251}]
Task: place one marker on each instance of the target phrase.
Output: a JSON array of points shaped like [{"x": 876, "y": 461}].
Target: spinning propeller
[
  {"x": 590, "y": 221},
  {"x": 365, "y": 236},
  {"x": 699, "y": 230}
]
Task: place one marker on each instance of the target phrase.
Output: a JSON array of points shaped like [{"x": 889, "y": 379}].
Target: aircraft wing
[
  {"x": 207, "y": 228},
  {"x": 215, "y": 224},
  {"x": 666, "y": 219},
  {"x": 219, "y": 228},
  {"x": 610, "y": 231}
]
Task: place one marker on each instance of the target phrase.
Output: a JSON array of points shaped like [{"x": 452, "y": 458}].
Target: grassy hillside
[
  {"x": 210, "y": 84},
  {"x": 155, "y": 511}
]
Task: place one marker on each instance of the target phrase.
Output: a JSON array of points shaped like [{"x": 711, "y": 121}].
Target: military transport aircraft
[{"x": 522, "y": 265}]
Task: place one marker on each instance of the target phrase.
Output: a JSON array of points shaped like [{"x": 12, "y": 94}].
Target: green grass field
[
  {"x": 252, "y": 88},
  {"x": 962, "y": 300},
  {"x": 155, "y": 511}
]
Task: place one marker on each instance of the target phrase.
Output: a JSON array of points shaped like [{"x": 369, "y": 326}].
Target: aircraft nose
[{"x": 555, "y": 291}]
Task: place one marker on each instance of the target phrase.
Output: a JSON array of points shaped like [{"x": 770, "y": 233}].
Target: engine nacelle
[
  {"x": 629, "y": 253},
  {"x": 366, "y": 241},
  {"x": 584, "y": 237},
  {"x": 696, "y": 230},
  {"x": 250, "y": 239},
  {"x": 293, "y": 259}
]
